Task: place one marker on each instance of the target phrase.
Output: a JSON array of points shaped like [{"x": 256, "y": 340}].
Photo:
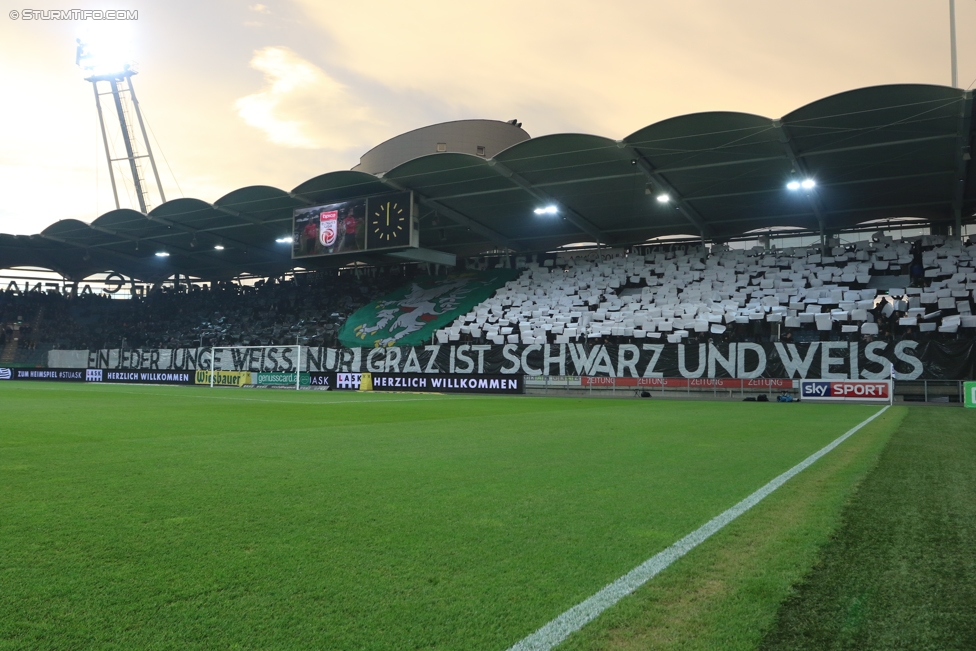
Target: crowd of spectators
[
  {"x": 883, "y": 289},
  {"x": 309, "y": 308}
]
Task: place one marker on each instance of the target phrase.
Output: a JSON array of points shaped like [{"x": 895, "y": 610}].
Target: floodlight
[
  {"x": 162, "y": 254},
  {"x": 284, "y": 240},
  {"x": 219, "y": 247},
  {"x": 808, "y": 184},
  {"x": 663, "y": 198},
  {"x": 793, "y": 186},
  {"x": 103, "y": 52},
  {"x": 548, "y": 210}
]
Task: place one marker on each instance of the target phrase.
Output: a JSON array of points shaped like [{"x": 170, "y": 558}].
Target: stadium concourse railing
[{"x": 908, "y": 391}]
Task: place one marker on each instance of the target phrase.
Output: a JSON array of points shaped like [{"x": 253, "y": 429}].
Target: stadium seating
[
  {"x": 656, "y": 294},
  {"x": 688, "y": 292},
  {"x": 274, "y": 312}
]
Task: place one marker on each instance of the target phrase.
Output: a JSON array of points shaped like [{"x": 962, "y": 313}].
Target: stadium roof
[{"x": 874, "y": 153}]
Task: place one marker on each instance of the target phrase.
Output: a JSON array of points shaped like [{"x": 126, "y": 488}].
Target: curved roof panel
[
  {"x": 333, "y": 187},
  {"x": 881, "y": 152}
]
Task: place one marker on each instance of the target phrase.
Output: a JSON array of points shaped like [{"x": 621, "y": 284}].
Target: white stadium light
[
  {"x": 548, "y": 210},
  {"x": 162, "y": 254},
  {"x": 663, "y": 198},
  {"x": 283, "y": 240},
  {"x": 104, "y": 49},
  {"x": 219, "y": 247},
  {"x": 806, "y": 184}
]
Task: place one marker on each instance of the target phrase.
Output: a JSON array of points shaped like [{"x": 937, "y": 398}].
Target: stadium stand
[
  {"x": 675, "y": 293},
  {"x": 883, "y": 289},
  {"x": 311, "y": 307}
]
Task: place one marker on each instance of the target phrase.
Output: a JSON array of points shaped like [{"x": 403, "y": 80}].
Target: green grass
[
  {"x": 188, "y": 518},
  {"x": 900, "y": 573},
  {"x": 725, "y": 594}
]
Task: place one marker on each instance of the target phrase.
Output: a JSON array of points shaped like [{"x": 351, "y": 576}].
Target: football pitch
[{"x": 193, "y": 518}]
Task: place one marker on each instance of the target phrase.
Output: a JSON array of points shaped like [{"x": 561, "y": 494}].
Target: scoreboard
[{"x": 378, "y": 223}]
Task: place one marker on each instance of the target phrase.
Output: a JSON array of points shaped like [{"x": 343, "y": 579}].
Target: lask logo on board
[
  {"x": 6, "y": 374},
  {"x": 348, "y": 380}
]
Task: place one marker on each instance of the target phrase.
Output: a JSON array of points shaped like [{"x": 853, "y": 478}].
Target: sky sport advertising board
[
  {"x": 370, "y": 224},
  {"x": 846, "y": 390}
]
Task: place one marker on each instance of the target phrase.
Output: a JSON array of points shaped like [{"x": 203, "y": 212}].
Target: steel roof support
[
  {"x": 654, "y": 176},
  {"x": 452, "y": 214},
  {"x": 809, "y": 154},
  {"x": 301, "y": 198},
  {"x": 239, "y": 215},
  {"x": 573, "y": 217},
  {"x": 269, "y": 255},
  {"x": 49, "y": 262},
  {"x": 963, "y": 157},
  {"x": 78, "y": 245},
  {"x": 800, "y": 167}
]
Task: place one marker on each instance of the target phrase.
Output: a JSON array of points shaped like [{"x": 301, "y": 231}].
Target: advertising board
[
  {"x": 97, "y": 375},
  {"x": 224, "y": 378},
  {"x": 846, "y": 390},
  {"x": 138, "y": 377},
  {"x": 418, "y": 382},
  {"x": 279, "y": 379},
  {"x": 322, "y": 381},
  {"x": 768, "y": 384},
  {"x": 48, "y": 374}
]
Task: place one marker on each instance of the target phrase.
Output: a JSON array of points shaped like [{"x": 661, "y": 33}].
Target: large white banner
[{"x": 830, "y": 360}]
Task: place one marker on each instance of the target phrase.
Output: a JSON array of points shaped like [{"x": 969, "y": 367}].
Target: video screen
[{"x": 329, "y": 229}]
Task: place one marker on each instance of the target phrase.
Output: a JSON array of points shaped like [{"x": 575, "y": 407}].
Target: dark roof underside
[{"x": 876, "y": 153}]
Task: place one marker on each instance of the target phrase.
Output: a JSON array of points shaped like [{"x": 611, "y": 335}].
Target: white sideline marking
[{"x": 584, "y": 612}]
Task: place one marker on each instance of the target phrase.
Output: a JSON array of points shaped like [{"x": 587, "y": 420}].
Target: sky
[{"x": 275, "y": 93}]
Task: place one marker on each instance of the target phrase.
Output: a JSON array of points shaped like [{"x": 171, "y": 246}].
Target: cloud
[
  {"x": 259, "y": 8},
  {"x": 614, "y": 68},
  {"x": 302, "y": 106}
]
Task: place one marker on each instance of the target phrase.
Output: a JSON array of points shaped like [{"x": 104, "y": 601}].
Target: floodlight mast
[
  {"x": 124, "y": 95},
  {"x": 952, "y": 43}
]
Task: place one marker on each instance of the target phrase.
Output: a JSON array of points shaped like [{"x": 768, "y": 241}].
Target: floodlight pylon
[{"x": 124, "y": 99}]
